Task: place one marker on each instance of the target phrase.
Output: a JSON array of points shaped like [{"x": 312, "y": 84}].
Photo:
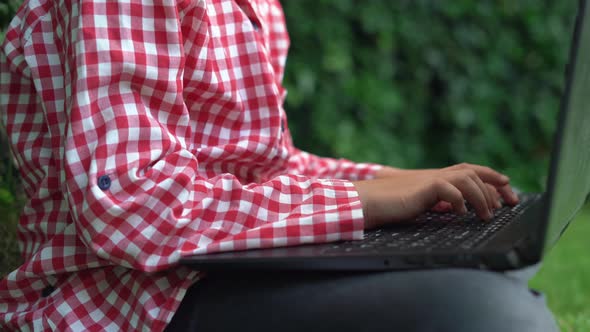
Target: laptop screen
[{"x": 569, "y": 179}]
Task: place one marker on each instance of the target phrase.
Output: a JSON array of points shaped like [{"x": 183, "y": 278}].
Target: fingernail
[{"x": 505, "y": 178}]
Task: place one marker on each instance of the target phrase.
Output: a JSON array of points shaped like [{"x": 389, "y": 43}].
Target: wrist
[
  {"x": 362, "y": 194},
  {"x": 387, "y": 171}
]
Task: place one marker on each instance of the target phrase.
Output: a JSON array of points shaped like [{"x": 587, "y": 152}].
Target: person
[{"x": 146, "y": 131}]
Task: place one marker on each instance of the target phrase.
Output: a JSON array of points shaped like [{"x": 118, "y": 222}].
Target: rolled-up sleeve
[
  {"x": 131, "y": 181},
  {"x": 315, "y": 166}
]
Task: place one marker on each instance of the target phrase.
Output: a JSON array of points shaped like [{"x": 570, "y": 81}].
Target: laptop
[{"x": 516, "y": 237}]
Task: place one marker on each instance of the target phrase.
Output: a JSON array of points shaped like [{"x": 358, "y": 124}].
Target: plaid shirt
[{"x": 146, "y": 131}]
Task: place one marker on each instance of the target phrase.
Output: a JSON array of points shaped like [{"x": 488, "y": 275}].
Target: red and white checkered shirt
[{"x": 146, "y": 131}]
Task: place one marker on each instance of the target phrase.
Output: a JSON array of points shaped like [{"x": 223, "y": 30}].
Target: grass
[{"x": 565, "y": 276}]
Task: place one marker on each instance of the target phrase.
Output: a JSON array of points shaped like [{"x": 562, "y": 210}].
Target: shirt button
[
  {"x": 255, "y": 25},
  {"x": 104, "y": 182},
  {"x": 47, "y": 291}
]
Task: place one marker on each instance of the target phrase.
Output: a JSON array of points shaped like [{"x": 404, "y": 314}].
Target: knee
[{"x": 464, "y": 300}]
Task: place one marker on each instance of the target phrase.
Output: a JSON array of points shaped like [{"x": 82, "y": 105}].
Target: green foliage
[
  {"x": 9, "y": 183},
  {"x": 9, "y": 253},
  {"x": 7, "y": 10},
  {"x": 429, "y": 83}
]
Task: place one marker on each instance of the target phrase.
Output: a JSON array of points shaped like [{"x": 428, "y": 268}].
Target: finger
[
  {"x": 508, "y": 195},
  {"x": 442, "y": 206},
  {"x": 472, "y": 193},
  {"x": 487, "y": 174},
  {"x": 447, "y": 192},
  {"x": 484, "y": 189},
  {"x": 495, "y": 195}
]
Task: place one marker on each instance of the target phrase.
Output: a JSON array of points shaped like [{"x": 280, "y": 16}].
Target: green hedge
[
  {"x": 8, "y": 183},
  {"x": 426, "y": 83},
  {"x": 7, "y": 10},
  {"x": 429, "y": 83}
]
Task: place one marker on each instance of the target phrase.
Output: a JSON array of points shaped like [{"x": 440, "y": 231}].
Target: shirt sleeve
[
  {"x": 132, "y": 184},
  {"x": 315, "y": 166}
]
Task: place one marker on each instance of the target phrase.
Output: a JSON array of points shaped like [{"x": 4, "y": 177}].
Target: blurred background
[
  {"x": 416, "y": 84},
  {"x": 429, "y": 83}
]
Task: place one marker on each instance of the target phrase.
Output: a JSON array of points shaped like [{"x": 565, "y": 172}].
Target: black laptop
[{"x": 516, "y": 237}]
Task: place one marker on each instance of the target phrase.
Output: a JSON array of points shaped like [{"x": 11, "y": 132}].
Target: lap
[{"x": 429, "y": 300}]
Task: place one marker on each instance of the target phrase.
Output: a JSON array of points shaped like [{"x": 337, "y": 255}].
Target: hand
[
  {"x": 504, "y": 192},
  {"x": 398, "y": 195}
]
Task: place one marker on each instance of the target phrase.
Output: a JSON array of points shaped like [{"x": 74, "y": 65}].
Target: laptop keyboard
[{"x": 436, "y": 231}]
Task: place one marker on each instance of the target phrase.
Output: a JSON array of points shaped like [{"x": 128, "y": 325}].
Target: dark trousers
[{"x": 452, "y": 300}]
